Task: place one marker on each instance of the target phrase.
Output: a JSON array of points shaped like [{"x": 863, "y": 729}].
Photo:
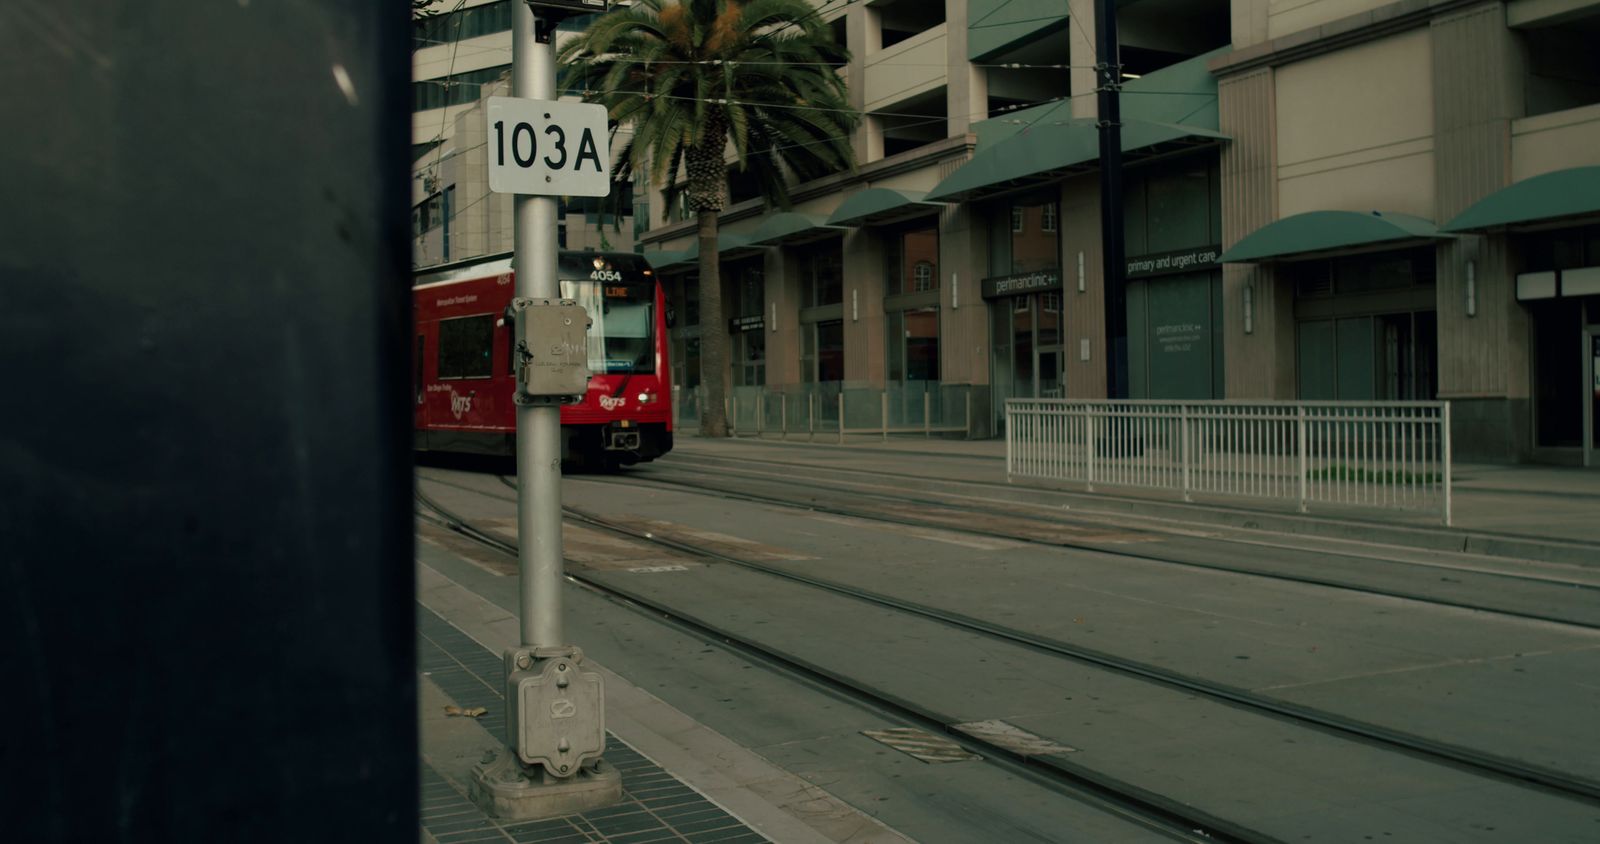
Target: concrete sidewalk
[
  {"x": 1535, "y": 512},
  {"x": 682, "y": 781}
]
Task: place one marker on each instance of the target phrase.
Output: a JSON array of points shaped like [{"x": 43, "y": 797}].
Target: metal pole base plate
[{"x": 505, "y": 788}]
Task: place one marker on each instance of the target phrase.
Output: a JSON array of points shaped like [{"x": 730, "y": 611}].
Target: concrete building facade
[
  {"x": 462, "y": 55},
  {"x": 1325, "y": 199},
  {"x": 1297, "y": 178}
]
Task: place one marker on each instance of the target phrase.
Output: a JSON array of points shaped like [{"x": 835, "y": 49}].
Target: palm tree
[{"x": 696, "y": 79}]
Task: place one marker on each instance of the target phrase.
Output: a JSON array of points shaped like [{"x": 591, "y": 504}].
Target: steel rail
[
  {"x": 1474, "y": 761},
  {"x": 1153, "y": 811},
  {"x": 737, "y": 472},
  {"x": 1309, "y": 580}
]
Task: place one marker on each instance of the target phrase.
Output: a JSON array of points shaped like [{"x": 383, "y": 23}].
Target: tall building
[
  {"x": 961, "y": 259},
  {"x": 461, "y": 55},
  {"x": 1325, "y": 199}
]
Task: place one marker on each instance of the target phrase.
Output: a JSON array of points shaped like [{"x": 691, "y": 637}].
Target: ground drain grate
[
  {"x": 921, "y": 744},
  {"x": 1013, "y": 738}
]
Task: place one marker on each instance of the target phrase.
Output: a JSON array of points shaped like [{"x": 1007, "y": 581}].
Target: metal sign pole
[
  {"x": 533, "y": 69},
  {"x": 555, "y": 720}
]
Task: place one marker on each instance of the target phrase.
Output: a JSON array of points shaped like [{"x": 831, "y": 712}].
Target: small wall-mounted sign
[
  {"x": 1020, "y": 283},
  {"x": 1177, "y": 261},
  {"x": 746, "y": 323}
]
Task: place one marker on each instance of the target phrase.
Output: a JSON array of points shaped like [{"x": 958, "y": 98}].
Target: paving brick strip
[{"x": 655, "y": 805}]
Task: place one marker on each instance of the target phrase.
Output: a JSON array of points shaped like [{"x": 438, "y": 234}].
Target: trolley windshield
[{"x": 623, "y": 325}]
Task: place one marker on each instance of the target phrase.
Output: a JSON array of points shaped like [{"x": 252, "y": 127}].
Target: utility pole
[
  {"x": 556, "y": 710},
  {"x": 1108, "y": 75}
]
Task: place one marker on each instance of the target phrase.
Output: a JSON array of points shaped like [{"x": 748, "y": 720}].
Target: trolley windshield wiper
[{"x": 632, "y": 368}]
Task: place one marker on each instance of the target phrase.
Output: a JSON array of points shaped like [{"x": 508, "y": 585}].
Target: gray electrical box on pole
[
  {"x": 552, "y": 349},
  {"x": 543, "y": 148}
]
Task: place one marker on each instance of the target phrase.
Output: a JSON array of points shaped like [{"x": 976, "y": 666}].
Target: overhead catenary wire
[
  {"x": 457, "y": 212},
  {"x": 445, "y": 114}
]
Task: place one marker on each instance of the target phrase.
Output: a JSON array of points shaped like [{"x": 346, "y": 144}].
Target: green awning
[
  {"x": 1164, "y": 111},
  {"x": 659, "y": 258},
  {"x": 1315, "y": 233},
  {"x": 726, "y": 242},
  {"x": 880, "y": 205},
  {"x": 1564, "y": 193},
  {"x": 1049, "y": 150},
  {"x": 791, "y": 227}
]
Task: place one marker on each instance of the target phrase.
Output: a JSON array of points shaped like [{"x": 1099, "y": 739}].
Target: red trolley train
[{"x": 463, "y": 378}]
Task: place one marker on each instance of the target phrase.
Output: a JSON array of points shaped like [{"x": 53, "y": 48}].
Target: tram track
[
  {"x": 1462, "y": 758},
  {"x": 703, "y": 488},
  {"x": 1129, "y": 802}
]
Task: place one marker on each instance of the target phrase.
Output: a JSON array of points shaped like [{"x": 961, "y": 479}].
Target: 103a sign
[{"x": 547, "y": 148}]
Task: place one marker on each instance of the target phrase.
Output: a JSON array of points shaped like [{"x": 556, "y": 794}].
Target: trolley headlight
[{"x": 647, "y": 397}]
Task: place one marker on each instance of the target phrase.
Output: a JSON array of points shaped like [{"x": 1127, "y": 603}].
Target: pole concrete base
[{"x": 505, "y": 788}]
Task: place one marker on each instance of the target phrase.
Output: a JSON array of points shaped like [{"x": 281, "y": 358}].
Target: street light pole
[
  {"x": 1108, "y": 76},
  {"x": 555, "y": 725}
]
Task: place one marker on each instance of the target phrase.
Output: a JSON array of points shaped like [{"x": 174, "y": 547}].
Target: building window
[
  {"x": 435, "y": 213},
  {"x": 904, "y": 252},
  {"x": 1039, "y": 248},
  {"x": 922, "y": 277},
  {"x": 486, "y": 19},
  {"x": 822, "y": 274},
  {"x": 466, "y": 346},
  {"x": 457, "y": 89},
  {"x": 447, "y": 211}
]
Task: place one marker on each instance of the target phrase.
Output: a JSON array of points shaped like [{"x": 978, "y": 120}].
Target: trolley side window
[{"x": 466, "y": 347}]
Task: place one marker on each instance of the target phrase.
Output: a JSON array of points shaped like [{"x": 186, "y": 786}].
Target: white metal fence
[
  {"x": 1393, "y": 455},
  {"x": 832, "y": 410}
]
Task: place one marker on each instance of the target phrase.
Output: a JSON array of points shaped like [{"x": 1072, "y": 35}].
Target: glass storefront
[
  {"x": 1025, "y": 301},
  {"x": 911, "y": 303},
  {"x": 914, "y": 345},
  {"x": 821, "y": 268},
  {"x": 822, "y": 354},
  {"x": 1560, "y": 286},
  {"x": 1366, "y": 328},
  {"x": 1172, "y": 298},
  {"x": 683, "y": 320},
  {"x": 1026, "y": 357},
  {"x": 1174, "y": 337},
  {"x": 1591, "y": 342},
  {"x": 747, "y": 322}
]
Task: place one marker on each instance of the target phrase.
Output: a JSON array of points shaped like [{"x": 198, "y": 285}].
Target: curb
[{"x": 1480, "y": 543}]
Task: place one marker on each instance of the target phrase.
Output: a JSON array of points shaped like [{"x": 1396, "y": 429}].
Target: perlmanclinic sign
[{"x": 1016, "y": 285}]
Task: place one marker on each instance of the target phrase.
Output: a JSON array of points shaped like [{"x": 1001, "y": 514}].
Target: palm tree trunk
[{"x": 713, "y": 332}]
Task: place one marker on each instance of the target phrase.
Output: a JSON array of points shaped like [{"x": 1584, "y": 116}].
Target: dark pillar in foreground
[{"x": 206, "y": 602}]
